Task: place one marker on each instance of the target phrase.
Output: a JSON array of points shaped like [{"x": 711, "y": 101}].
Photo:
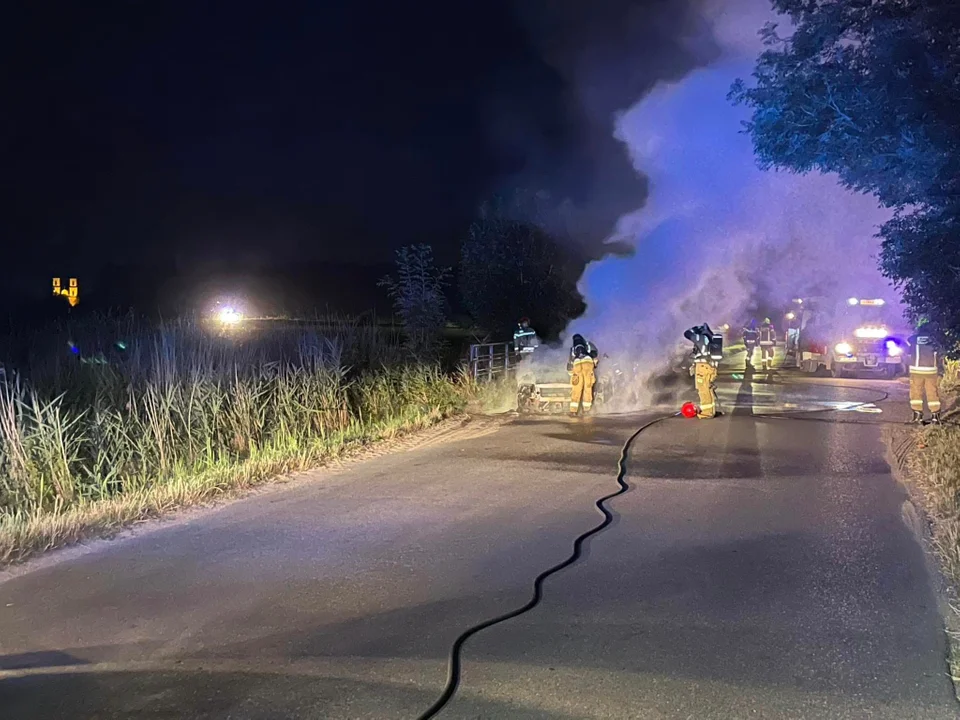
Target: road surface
[{"x": 759, "y": 568}]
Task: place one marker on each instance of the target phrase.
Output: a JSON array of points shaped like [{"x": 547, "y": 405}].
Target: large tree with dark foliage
[
  {"x": 870, "y": 90},
  {"x": 518, "y": 261}
]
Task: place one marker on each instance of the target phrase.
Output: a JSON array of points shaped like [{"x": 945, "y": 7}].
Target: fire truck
[{"x": 858, "y": 336}]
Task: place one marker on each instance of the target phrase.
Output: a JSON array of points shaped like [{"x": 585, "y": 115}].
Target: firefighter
[
  {"x": 750, "y": 337},
  {"x": 704, "y": 370},
  {"x": 525, "y": 339},
  {"x": 924, "y": 375},
  {"x": 768, "y": 343},
  {"x": 582, "y": 368}
]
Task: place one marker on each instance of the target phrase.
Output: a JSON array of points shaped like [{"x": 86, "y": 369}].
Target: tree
[
  {"x": 870, "y": 90},
  {"x": 418, "y": 295},
  {"x": 516, "y": 262}
]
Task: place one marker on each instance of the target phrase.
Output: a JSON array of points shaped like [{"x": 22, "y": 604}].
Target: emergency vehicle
[{"x": 851, "y": 338}]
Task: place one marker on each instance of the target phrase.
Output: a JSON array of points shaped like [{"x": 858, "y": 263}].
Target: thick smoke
[
  {"x": 716, "y": 235},
  {"x": 603, "y": 56}
]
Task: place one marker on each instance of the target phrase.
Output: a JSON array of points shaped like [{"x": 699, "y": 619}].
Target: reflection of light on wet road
[
  {"x": 766, "y": 399},
  {"x": 848, "y": 406},
  {"x": 839, "y": 405}
]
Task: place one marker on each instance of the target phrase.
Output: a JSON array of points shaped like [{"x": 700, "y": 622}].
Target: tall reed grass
[
  {"x": 936, "y": 465},
  {"x": 113, "y": 421},
  {"x": 951, "y": 376}
]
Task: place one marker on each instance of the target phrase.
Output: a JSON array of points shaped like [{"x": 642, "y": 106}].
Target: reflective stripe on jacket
[{"x": 923, "y": 355}]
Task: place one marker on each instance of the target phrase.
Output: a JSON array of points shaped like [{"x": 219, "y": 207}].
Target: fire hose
[{"x": 454, "y": 662}]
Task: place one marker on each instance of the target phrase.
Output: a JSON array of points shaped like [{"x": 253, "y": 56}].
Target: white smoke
[{"x": 715, "y": 228}]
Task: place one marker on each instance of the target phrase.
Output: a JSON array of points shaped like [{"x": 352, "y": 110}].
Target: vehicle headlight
[
  {"x": 893, "y": 350},
  {"x": 843, "y": 348}
]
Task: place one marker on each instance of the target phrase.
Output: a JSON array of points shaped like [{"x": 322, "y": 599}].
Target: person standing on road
[
  {"x": 768, "y": 343},
  {"x": 750, "y": 337},
  {"x": 525, "y": 338},
  {"x": 704, "y": 370},
  {"x": 582, "y": 368},
  {"x": 924, "y": 375}
]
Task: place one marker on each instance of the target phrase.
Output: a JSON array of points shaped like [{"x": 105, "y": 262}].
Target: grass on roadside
[
  {"x": 950, "y": 382},
  {"x": 182, "y": 417},
  {"x": 491, "y": 397},
  {"x": 937, "y": 469}
]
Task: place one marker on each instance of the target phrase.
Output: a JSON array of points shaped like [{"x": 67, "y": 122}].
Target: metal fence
[{"x": 491, "y": 360}]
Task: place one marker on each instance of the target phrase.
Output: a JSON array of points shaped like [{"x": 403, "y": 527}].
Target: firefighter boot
[
  {"x": 917, "y": 418},
  {"x": 935, "y": 418}
]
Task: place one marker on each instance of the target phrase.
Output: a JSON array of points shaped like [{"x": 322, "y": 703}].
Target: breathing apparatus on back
[{"x": 707, "y": 346}]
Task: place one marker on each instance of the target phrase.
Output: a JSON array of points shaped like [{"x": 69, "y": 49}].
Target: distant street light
[{"x": 230, "y": 316}]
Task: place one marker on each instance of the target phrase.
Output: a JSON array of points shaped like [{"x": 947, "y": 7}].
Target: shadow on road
[
  {"x": 195, "y": 695},
  {"x": 743, "y": 405},
  {"x": 41, "y": 659},
  {"x": 759, "y": 611}
]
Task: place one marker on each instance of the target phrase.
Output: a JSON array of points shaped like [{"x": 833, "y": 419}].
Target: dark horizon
[{"x": 187, "y": 142}]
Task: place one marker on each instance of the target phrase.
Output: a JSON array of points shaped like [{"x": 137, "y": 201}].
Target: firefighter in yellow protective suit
[
  {"x": 582, "y": 368},
  {"x": 705, "y": 362},
  {"x": 768, "y": 344},
  {"x": 924, "y": 376}
]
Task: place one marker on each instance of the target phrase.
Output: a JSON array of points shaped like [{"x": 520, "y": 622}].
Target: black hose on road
[{"x": 454, "y": 662}]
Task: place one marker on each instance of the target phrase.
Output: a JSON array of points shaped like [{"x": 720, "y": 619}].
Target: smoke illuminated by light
[{"x": 717, "y": 234}]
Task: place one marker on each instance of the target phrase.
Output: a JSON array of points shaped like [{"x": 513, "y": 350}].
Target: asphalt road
[{"x": 759, "y": 567}]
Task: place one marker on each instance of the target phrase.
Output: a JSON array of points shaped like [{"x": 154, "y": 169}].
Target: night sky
[{"x": 168, "y": 145}]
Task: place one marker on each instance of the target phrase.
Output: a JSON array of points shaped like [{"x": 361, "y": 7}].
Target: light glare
[
  {"x": 230, "y": 316},
  {"x": 873, "y": 333}
]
